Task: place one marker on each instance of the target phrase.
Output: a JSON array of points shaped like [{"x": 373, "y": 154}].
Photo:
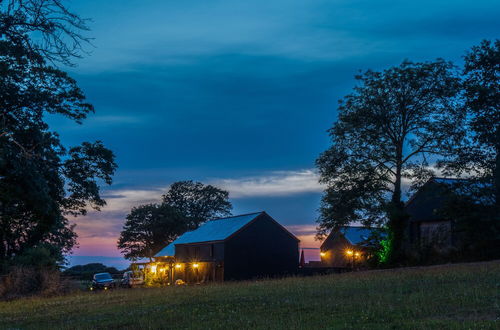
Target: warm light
[
  {"x": 357, "y": 254},
  {"x": 178, "y": 266},
  {"x": 349, "y": 252},
  {"x": 153, "y": 269},
  {"x": 322, "y": 254},
  {"x": 195, "y": 265}
]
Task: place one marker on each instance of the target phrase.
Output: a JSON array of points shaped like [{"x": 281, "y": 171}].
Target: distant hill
[{"x": 85, "y": 272}]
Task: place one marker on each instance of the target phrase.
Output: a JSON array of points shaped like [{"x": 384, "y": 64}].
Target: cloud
[
  {"x": 275, "y": 184},
  {"x": 279, "y": 183},
  {"x": 124, "y": 200}
]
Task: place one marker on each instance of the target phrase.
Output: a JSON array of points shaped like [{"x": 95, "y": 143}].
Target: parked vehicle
[
  {"x": 131, "y": 278},
  {"x": 102, "y": 281}
]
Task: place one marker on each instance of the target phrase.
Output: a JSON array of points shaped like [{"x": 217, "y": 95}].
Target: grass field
[{"x": 465, "y": 296}]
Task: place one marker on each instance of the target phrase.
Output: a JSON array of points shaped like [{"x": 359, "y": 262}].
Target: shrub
[{"x": 25, "y": 280}]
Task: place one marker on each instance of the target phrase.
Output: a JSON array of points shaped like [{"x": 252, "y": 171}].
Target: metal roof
[
  {"x": 356, "y": 235},
  {"x": 212, "y": 230}
]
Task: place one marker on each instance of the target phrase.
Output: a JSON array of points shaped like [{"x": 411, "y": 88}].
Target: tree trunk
[
  {"x": 397, "y": 216},
  {"x": 496, "y": 171}
]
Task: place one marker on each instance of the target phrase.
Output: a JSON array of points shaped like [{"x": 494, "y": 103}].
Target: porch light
[
  {"x": 322, "y": 254},
  {"x": 357, "y": 254},
  {"x": 195, "y": 265},
  {"x": 178, "y": 266},
  {"x": 349, "y": 252}
]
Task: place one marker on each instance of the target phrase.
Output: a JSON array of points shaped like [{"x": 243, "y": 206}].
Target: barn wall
[
  {"x": 202, "y": 252},
  {"x": 261, "y": 249}
]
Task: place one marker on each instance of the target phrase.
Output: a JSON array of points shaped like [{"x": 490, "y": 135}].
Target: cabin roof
[
  {"x": 210, "y": 231},
  {"x": 356, "y": 235}
]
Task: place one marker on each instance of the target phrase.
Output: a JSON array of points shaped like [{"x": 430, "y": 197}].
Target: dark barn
[
  {"x": 426, "y": 226},
  {"x": 234, "y": 248}
]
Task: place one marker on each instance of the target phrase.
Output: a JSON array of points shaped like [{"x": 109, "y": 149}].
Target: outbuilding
[
  {"x": 234, "y": 248},
  {"x": 343, "y": 247}
]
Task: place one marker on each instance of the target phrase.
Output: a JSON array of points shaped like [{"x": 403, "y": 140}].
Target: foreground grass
[{"x": 452, "y": 296}]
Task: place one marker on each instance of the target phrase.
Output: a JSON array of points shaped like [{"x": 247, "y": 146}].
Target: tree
[
  {"x": 198, "y": 202},
  {"x": 44, "y": 27},
  {"x": 148, "y": 229},
  {"x": 41, "y": 182},
  {"x": 386, "y": 131},
  {"x": 479, "y": 154},
  {"x": 186, "y": 205},
  {"x": 477, "y": 215}
]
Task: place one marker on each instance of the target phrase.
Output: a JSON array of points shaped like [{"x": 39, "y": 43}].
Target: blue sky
[{"x": 240, "y": 94}]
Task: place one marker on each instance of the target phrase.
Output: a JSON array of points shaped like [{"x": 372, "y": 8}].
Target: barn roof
[
  {"x": 356, "y": 235},
  {"x": 210, "y": 231}
]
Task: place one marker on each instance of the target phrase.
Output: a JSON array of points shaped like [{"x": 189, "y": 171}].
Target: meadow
[{"x": 462, "y": 296}]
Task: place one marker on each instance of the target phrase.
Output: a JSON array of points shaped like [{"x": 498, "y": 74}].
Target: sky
[{"x": 239, "y": 94}]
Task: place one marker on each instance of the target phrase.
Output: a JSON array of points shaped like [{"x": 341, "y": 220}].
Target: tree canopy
[
  {"x": 476, "y": 215},
  {"x": 41, "y": 181},
  {"x": 187, "y": 204},
  {"x": 479, "y": 154}
]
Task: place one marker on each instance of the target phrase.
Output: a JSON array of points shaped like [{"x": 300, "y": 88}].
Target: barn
[
  {"x": 234, "y": 248},
  {"x": 425, "y": 226},
  {"x": 343, "y": 249}
]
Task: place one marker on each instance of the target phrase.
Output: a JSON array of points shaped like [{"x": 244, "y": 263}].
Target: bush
[{"x": 23, "y": 280}]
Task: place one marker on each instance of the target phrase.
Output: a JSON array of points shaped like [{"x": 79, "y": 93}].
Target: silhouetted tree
[
  {"x": 477, "y": 213},
  {"x": 41, "y": 182},
  {"x": 198, "y": 202},
  {"x": 186, "y": 205},
  {"x": 385, "y": 132},
  {"x": 479, "y": 154},
  {"x": 44, "y": 27}
]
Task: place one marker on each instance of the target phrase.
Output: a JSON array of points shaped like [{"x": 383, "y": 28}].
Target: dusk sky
[{"x": 240, "y": 94}]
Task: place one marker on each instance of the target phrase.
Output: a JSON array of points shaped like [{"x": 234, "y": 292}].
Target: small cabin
[
  {"x": 343, "y": 247},
  {"x": 234, "y": 248}
]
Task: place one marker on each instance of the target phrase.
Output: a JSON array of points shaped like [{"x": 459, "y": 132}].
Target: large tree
[
  {"x": 42, "y": 182},
  {"x": 386, "y": 131},
  {"x": 479, "y": 155},
  {"x": 477, "y": 213},
  {"x": 186, "y": 205}
]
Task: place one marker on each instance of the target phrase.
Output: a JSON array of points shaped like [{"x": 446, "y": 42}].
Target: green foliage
[
  {"x": 385, "y": 131},
  {"x": 440, "y": 297},
  {"x": 184, "y": 207},
  {"x": 44, "y": 256}
]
